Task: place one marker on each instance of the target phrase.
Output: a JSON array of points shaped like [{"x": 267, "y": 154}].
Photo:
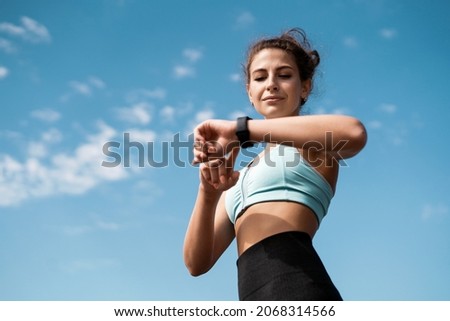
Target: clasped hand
[{"x": 216, "y": 148}]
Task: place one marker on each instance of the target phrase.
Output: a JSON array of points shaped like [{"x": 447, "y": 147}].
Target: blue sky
[{"x": 77, "y": 74}]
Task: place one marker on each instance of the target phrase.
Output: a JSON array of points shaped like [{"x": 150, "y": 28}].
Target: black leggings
[{"x": 284, "y": 267}]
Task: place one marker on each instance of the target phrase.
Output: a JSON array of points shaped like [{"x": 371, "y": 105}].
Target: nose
[{"x": 271, "y": 84}]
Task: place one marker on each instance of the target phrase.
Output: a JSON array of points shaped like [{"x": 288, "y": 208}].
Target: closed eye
[{"x": 260, "y": 78}]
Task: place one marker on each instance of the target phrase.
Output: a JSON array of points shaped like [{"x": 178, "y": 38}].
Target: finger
[
  {"x": 198, "y": 145},
  {"x": 214, "y": 166},
  {"x": 223, "y": 171},
  {"x": 196, "y": 160},
  {"x": 231, "y": 159},
  {"x": 205, "y": 172}
]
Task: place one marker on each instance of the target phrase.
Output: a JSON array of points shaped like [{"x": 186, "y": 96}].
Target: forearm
[
  {"x": 199, "y": 241},
  {"x": 342, "y": 136}
]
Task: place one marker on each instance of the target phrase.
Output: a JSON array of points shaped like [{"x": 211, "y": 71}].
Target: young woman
[{"x": 274, "y": 205}]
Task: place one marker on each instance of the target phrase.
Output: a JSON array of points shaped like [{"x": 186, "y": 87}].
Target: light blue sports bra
[{"x": 281, "y": 174}]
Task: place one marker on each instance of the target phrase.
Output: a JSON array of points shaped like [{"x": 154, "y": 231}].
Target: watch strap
[{"x": 242, "y": 132}]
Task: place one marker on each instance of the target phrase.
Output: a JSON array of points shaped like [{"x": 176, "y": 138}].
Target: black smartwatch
[{"x": 242, "y": 132}]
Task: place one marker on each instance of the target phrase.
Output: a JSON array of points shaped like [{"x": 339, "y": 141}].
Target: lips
[{"x": 272, "y": 98}]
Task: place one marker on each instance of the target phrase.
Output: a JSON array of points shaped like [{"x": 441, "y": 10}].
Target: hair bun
[{"x": 315, "y": 58}]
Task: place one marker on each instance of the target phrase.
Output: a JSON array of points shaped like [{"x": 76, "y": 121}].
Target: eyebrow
[{"x": 277, "y": 69}]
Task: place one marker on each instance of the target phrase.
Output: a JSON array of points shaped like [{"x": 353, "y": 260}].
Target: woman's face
[{"x": 275, "y": 87}]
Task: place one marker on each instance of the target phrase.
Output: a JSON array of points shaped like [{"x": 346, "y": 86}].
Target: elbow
[
  {"x": 356, "y": 139},
  {"x": 358, "y": 136},
  {"x": 194, "y": 272},
  {"x": 194, "y": 267}
]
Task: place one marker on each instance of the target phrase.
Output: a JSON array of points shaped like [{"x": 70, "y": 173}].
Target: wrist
[
  {"x": 242, "y": 132},
  {"x": 209, "y": 191}
]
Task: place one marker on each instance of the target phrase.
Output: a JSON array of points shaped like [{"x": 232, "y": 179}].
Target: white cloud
[
  {"x": 37, "y": 150},
  {"x": 433, "y": 211},
  {"x": 143, "y": 136},
  {"x": 350, "y": 42},
  {"x": 235, "y": 77},
  {"x": 340, "y": 111},
  {"x": 167, "y": 113},
  {"x": 193, "y": 55},
  {"x": 388, "y": 108},
  {"x": 388, "y": 33},
  {"x": 46, "y": 114},
  {"x": 237, "y": 114},
  {"x": 3, "y": 72},
  {"x": 62, "y": 173},
  {"x": 76, "y": 230},
  {"x": 204, "y": 115},
  {"x": 374, "y": 124},
  {"x": 136, "y": 114},
  {"x": 141, "y": 94},
  {"x": 80, "y": 88},
  {"x": 199, "y": 117},
  {"x": 183, "y": 71},
  {"x": 108, "y": 226},
  {"x": 7, "y": 46},
  {"x": 85, "y": 88},
  {"x": 244, "y": 20},
  {"x": 186, "y": 69},
  {"x": 52, "y": 136},
  {"x": 30, "y": 30},
  {"x": 96, "y": 82}
]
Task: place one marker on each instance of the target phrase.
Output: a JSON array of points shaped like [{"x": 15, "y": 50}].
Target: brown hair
[{"x": 293, "y": 41}]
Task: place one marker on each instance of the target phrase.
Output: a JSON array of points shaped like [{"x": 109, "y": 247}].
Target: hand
[
  {"x": 218, "y": 174},
  {"x": 214, "y": 139}
]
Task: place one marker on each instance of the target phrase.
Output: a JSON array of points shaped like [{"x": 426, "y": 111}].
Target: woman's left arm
[{"x": 337, "y": 136}]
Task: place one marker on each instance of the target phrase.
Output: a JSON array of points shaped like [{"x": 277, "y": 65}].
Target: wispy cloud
[
  {"x": 430, "y": 211},
  {"x": 139, "y": 113},
  {"x": 200, "y": 116},
  {"x": 90, "y": 227},
  {"x": 388, "y": 108},
  {"x": 46, "y": 115},
  {"x": 3, "y": 72},
  {"x": 167, "y": 113},
  {"x": 140, "y": 135},
  {"x": 80, "y": 88},
  {"x": 350, "y": 42},
  {"x": 235, "y": 77},
  {"x": 142, "y": 94},
  {"x": 186, "y": 69},
  {"x": 193, "y": 55},
  {"x": 52, "y": 136},
  {"x": 29, "y": 30},
  {"x": 204, "y": 115},
  {"x": 7, "y": 46},
  {"x": 244, "y": 20},
  {"x": 388, "y": 33},
  {"x": 84, "y": 88},
  {"x": 374, "y": 124},
  {"x": 183, "y": 71}
]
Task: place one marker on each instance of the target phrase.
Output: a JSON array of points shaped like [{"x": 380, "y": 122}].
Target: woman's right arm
[{"x": 210, "y": 231}]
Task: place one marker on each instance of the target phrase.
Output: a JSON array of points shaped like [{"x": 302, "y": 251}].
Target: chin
[{"x": 277, "y": 114}]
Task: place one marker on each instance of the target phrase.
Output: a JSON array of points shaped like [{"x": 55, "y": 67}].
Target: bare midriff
[{"x": 262, "y": 220}]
